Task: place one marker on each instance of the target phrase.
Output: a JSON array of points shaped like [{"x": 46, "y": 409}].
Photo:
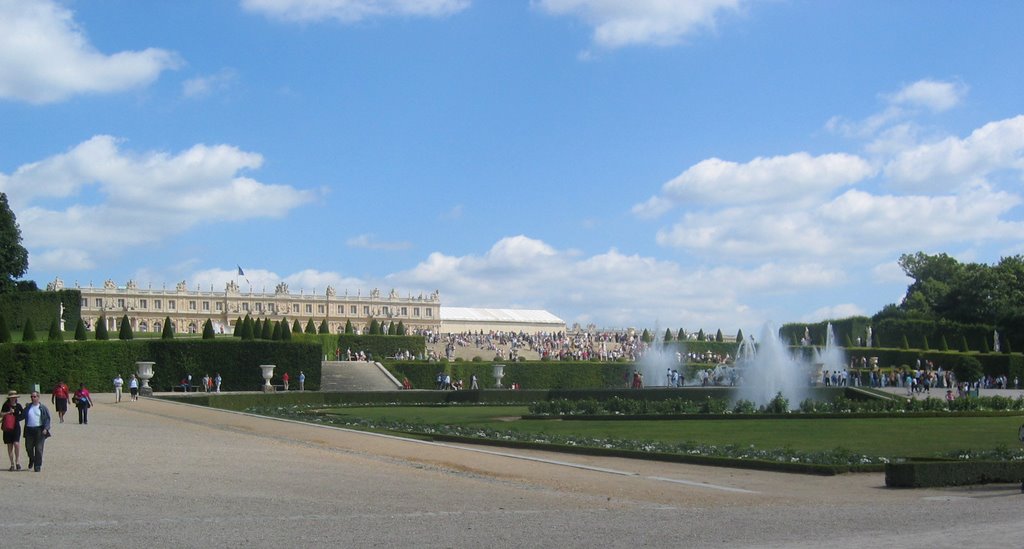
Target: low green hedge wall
[
  {"x": 380, "y": 346},
  {"x": 95, "y": 363},
  {"x": 923, "y": 474},
  {"x": 529, "y": 374}
]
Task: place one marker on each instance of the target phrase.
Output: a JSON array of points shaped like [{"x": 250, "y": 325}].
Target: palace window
[
  {"x": 172, "y": 305},
  {"x": 192, "y": 305},
  {"x": 120, "y": 303},
  {"x": 352, "y": 310},
  {"x": 245, "y": 307},
  {"x": 415, "y": 311},
  {"x": 220, "y": 306},
  {"x": 206, "y": 305},
  {"x": 309, "y": 309},
  {"x": 366, "y": 309},
  {"x": 99, "y": 302},
  {"x": 430, "y": 312},
  {"x": 157, "y": 304},
  {"x": 405, "y": 311},
  {"x": 143, "y": 303},
  {"x": 320, "y": 309}
]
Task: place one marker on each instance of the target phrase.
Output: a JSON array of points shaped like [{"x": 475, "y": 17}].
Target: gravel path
[{"x": 166, "y": 474}]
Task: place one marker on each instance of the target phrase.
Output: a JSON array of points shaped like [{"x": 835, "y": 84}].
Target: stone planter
[
  {"x": 268, "y": 373},
  {"x": 499, "y": 372},
  {"x": 145, "y": 372}
]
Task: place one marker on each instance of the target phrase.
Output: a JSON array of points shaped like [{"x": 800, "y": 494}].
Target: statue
[
  {"x": 61, "y": 317},
  {"x": 281, "y": 288}
]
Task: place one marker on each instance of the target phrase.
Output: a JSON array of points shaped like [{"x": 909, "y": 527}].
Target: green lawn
[{"x": 893, "y": 437}]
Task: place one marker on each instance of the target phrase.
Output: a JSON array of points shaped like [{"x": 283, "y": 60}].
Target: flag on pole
[{"x": 240, "y": 271}]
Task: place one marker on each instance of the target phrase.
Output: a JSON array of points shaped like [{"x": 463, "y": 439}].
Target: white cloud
[
  {"x": 657, "y": 22},
  {"x": 833, "y": 312},
  {"x": 794, "y": 177},
  {"x": 350, "y": 11},
  {"x": 617, "y": 288},
  {"x": 45, "y": 57},
  {"x": 202, "y": 86},
  {"x": 929, "y": 95},
  {"x": 934, "y": 95},
  {"x": 370, "y": 242},
  {"x": 952, "y": 161},
  {"x": 142, "y": 197}
]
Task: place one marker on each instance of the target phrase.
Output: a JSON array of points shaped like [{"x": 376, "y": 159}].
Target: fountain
[
  {"x": 831, "y": 357},
  {"x": 770, "y": 369}
]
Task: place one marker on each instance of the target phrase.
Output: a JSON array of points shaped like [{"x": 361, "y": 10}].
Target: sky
[{"x": 694, "y": 164}]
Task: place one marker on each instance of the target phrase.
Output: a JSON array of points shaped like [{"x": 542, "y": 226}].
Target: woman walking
[
  {"x": 84, "y": 401},
  {"x": 11, "y": 414}
]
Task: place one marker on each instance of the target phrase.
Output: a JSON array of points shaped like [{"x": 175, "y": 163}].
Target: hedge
[
  {"x": 41, "y": 307},
  {"x": 923, "y": 474},
  {"x": 95, "y": 363},
  {"x": 379, "y": 346},
  {"x": 529, "y": 374},
  {"x": 993, "y": 364}
]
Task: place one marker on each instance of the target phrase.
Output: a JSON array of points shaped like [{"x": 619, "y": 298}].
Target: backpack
[{"x": 10, "y": 421}]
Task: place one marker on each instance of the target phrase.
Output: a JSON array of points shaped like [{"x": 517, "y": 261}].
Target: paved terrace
[{"x": 165, "y": 474}]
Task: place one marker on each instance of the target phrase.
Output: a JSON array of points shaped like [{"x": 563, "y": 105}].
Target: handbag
[{"x": 9, "y": 421}]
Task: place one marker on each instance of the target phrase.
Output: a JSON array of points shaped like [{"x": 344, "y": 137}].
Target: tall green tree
[
  {"x": 374, "y": 327},
  {"x": 401, "y": 329},
  {"x": 55, "y": 333},
  {"x": 13, "y": 256},
  {"x": 348, "y": 327},
  {"x": 296, "y": 327},
  {"x": 324, "y": 328},
  {"x": 739, "y": 337},
  {"x": 257, "y": 329},
  {"x": 101, "y": 329},
  {"x": 310, "y": 327},
  {"x": 268, "y": 330},
  {"x": 646, "y": 336},
  {"x": 238, "y": 328},
  {"x": 681, "y": 335},
  {"x": 80, "y": 334},
  {"x": 668, "y": 335},
  {"x": 125, "y": 332},
  {"x": 286, "y": 332},
  {"x": 718, "y": 336},
  {"x": 168, "y": 331},
  {"x": 248, "y": 329},
  {"x": 276, "y": 334},
  {"x": 208, "y": 332},
  {"x": 28, "y": 333}
]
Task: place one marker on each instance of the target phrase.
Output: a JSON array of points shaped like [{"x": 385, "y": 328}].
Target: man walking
[
  {"x": 37, "y": 429},
  {"x": 118, "y": 383}
]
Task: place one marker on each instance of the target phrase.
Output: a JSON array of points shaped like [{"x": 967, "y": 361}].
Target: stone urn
[
  {"x": 499, "y": 372},
  {"x": 145, "y": 372},
  {"x": 268, "y": 373}
]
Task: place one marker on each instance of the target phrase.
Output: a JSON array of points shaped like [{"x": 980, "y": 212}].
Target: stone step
[{"x": 344, "y": 375}]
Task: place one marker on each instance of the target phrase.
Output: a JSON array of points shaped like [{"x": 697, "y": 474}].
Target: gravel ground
[{"x": 166, "y": 474}]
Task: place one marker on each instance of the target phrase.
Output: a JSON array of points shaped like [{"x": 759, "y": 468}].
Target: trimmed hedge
[
  {"x": 41, "y": 307},
  {"x": 993, "y": 364},
  {"x": 529, "y": 374},
  {"x": 379, "y": 347},
  {"x": 924, "y": 474},
  {"x": 96, "y": 362}
]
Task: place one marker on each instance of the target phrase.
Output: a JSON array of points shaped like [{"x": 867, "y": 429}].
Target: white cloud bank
[
  {"x": 641, "y": 22},
  {"x": 351, "y": 11},
  {"x": 45, "y": 57},
  {"x": 142, "y": 197}
]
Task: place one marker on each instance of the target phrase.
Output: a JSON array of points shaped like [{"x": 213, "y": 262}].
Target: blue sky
[{"x": 690, "y": 164}]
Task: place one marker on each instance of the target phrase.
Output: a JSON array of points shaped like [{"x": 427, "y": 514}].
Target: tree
[
  {"x": 924, "y": 344},
  {"x": 739, "y": 338},
  {"x": 968, "y": 369},
  {"x": 310, "y": 327},
  {"x": 718, "y": 336},
  {"x": 348, "y": 327},
  {"x": 257, "y": 329},
  {"x": 5, "y": 332},
  {"x": 168, "y": 331},
  {"x": 681, "y": 335},
  {"x": 248, "y": 330},
  {"x": 268, "y": 330},
  {"x": 55, "y": 333},
  {"x": 101, "y": 329},
  {"x": 276, "y": 334},
  {"x": 943, "y": 346},
  {"x": 27, "y": 332},
  {"x": 80, "y": 334},
  {"x": 286, "y": 332},
  {"x": 13, "y": 256},
  {"x": 668, "y": 335},
  {"x": 208, "y": 332},
  {"x": 646, "y": 336},
  {"x": 238, "y": 327},
  {"x": 296, "y": 327},
  {"x": 401, "y": 329},
  {"x": 904, "y": 344},
  {"x": 125, "y": 332},
  {"x": 964, "y": 348},
  {"x": 324, "y": 328},
  {"x": 374, "y": 327},
  {"x": 700, "y": 335},
  {"x": 393, "y": 329}
]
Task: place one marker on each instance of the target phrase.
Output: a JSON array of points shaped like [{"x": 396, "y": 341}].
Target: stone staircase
[{"x": 345, "y": 375}]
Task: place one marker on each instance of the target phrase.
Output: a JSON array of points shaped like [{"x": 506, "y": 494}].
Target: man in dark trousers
[{"x": 37, "y": 429}]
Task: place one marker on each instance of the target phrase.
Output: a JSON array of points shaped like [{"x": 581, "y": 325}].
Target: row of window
[{"x": 259, "y": 307}]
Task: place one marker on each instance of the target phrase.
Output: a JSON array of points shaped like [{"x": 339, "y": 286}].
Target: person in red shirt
[
  {"x": 84, "y": 401},
  {"x": 284, "y": 378},
  {"x": 59, "y": 398}
]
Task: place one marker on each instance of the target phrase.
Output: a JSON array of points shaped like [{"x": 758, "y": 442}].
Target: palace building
[{"x": 188, "y": 310}]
